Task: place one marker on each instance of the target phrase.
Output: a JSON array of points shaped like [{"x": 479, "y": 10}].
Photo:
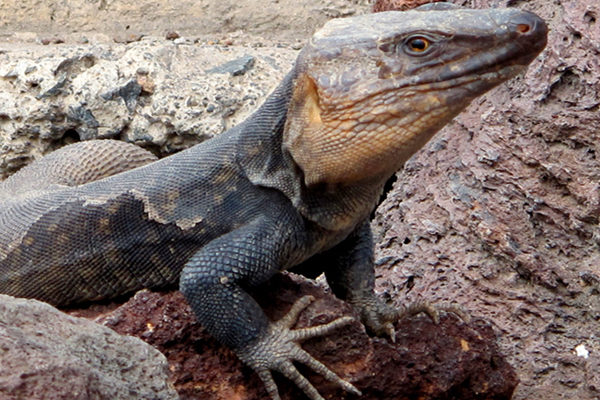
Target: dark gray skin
[{"x": 292, "y": 186}]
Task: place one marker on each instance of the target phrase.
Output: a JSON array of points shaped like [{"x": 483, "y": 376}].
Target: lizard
[{"x": 290, "y": 188}]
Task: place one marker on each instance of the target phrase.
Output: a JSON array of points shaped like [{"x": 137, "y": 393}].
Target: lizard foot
[
  {"x": 379, "y": 317},
  {"x": 277, "y": 349}
]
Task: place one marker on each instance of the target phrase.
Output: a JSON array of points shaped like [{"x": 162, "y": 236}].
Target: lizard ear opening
[{"x": 303, "y": 127}]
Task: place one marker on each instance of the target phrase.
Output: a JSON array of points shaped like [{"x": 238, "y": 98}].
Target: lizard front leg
[
  {"x": 350, "y": 274},
  {"x": 214, "y": 282}
]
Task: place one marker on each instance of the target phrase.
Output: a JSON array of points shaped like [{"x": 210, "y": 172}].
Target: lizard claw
[
  {"x": 377, "y": 316},
  {"x": 390, "y": 331},
  {"x": 277, "y": 349},
  {"x": 433, "y": 311},
  {"x": 420, "y": 307}
]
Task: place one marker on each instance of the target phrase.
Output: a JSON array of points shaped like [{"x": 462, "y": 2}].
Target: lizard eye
[{"x": 417, "y": 45}]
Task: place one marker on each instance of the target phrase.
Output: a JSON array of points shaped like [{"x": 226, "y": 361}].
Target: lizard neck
[{"x": 267, "y": 163}]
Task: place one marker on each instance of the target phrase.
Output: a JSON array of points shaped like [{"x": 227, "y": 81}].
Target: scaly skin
[{"x": 291, "y": 187}]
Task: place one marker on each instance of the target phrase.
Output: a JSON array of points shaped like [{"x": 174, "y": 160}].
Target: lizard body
[{"x": 293, "y": 184}]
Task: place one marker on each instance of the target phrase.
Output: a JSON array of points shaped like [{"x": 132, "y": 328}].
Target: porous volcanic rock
[
  {"x": 500, "y": 212},
  {"x": 160, "y": 94},
  {"x": 452, "y": 359}
]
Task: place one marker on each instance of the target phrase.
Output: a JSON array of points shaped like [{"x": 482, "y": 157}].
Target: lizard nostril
[{"x": 523, "y": 28}]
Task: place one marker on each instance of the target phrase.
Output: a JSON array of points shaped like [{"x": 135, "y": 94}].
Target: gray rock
[
  {"x": 47, "y": 354},
  {"x": 152, "y": 92},
  {"x": 235, "y": 67}
]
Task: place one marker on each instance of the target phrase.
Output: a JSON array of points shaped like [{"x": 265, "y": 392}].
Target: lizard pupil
[{"x": 418, "y": 44}]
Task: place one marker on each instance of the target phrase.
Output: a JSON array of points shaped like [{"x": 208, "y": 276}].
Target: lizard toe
[
  {"x": 433, "y": 310},
  {"x": 277, "y": 350}
]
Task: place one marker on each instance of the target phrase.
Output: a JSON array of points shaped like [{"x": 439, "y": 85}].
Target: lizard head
[{"x": 372, "y": 90}]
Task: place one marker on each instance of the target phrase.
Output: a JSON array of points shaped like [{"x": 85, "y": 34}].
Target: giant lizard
[{"x": 292, "y": 185}]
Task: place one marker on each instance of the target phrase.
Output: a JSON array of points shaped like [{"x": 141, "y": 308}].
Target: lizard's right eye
[{"x": 417, "y": 45}]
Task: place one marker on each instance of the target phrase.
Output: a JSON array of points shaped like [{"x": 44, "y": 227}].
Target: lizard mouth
[{"x": 525, "y": 38}]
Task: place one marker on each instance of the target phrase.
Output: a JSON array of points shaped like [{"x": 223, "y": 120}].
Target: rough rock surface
[
  {"x": 449, "y": 360},
  {"x": 400, "y": 5},
  {"x": 45, "y": 354},
  {"x": 500, "y": 212},
  {"x": 160, "y": 94},
  {"x": 287, "y": 19}
]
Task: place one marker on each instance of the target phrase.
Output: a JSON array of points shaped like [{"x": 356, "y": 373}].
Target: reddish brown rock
[
  {"x": 172, "y": 35},
  {"x": 399, "y": 5},
  {"x": 429, "y": 361},
  {"x": 500, "y": 212}
]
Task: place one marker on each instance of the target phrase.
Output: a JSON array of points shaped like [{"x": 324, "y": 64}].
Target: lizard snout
[{"x": 528, "y": 29}]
